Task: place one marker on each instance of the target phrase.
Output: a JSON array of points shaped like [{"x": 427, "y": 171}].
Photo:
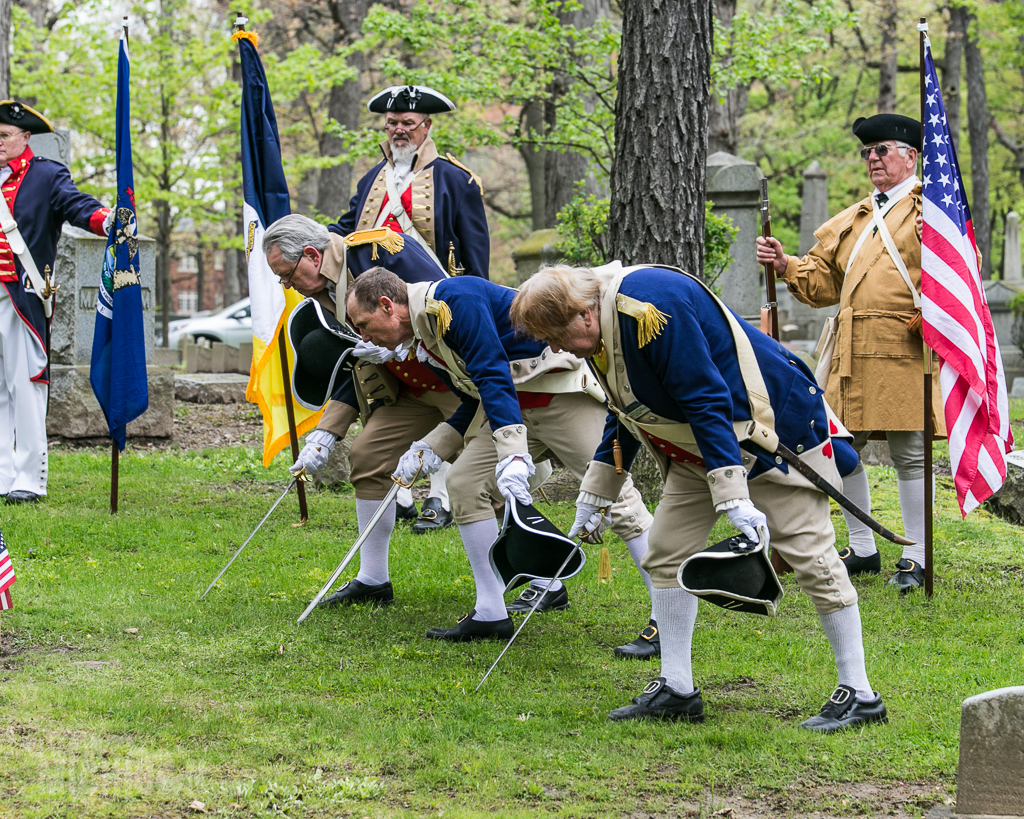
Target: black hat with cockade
[
  {"x": 734, "y": 574},
  {"x": 21, "y": 116},
  {"x": 416, "y": 98},
  {"x": 881, "y": 127},
  {"x": 529, "y": 546},
  {"x": 323, "y": 353}
]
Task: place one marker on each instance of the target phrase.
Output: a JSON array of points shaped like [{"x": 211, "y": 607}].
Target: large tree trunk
[
  {"x": 5, "y": 49},
  {"x": 725, "y": 113},
  {"x": 163, "y": 266},
  {"x": 344, "y": 105},
  {"x": 532, "y": 126},
  {"x": 563, "y": 169},
  {"x": 951, "y": 72},
  {"x": 977, "y": 129},
  {"x": 888, "y": 65},
  {"x": 661, "y": 120}
]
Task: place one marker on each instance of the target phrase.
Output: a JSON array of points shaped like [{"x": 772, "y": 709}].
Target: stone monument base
[{"x": 75, "y": 413}]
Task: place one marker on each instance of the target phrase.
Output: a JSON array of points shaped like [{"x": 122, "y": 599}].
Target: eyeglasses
[
  {"x": 286, "y": 280},
  {"x": 391, "y": 127},
  {"x": 11, "y": 137},
  {"x": 880, "y": 151}
]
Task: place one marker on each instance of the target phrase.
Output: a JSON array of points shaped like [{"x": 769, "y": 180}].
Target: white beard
[{"x": 403, "y": 155}]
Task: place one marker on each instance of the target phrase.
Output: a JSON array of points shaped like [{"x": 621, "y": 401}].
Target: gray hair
[
  {"x": 294, "y": 232},
  {"x": 903, "y": 147}
]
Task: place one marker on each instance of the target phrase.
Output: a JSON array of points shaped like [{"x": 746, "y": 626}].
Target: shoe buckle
[
  {"x": 428, "y": 514},
  {"x": 845, "y": 553},
  {"x": 345, "y": 585},
  {"x": 649, "y": 633},
  {"x": 463, "y": 617},
  {"x": 530, "y": 594},
  {"x": 910, "y": 568},
  {"x": 653, "y": 687},
  {"x": 840, "y": 696}
]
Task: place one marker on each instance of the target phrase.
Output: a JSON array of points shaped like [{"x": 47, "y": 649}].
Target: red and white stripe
[{"x": 7, "y": 577}]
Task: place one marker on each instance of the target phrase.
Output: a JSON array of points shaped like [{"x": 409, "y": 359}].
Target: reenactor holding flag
[
  {"x": 38, "y": 197},
  {"x": 716, "y": 402}
]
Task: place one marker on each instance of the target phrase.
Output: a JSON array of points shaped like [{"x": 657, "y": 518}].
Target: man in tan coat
[{"x": 868, "y": 261}]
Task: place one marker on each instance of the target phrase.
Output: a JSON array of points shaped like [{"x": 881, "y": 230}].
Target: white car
[{"x": 232, "y": 325}]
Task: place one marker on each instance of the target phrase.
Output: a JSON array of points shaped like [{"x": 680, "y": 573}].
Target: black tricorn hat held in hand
[
  {"x": 734, "y": 574},
  {"x": 530, "y": 546},
  {"x": 322, "y": 353}
]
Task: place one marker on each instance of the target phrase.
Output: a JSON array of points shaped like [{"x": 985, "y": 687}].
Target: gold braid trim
[
  {"x": 393, "y": 242},
  {"x": 443, "y": 313},
  {"x": 649, "y": 317},
  {"x": 472, "y": 176},
  {"x": 251, "y": 36}
]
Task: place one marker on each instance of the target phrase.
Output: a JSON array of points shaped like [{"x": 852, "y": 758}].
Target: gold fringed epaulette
[
  {"x": 472, "y": 176},
  {"x": 392, "y": 241},
  {"x": 442, "y": 312},
  {"x": 649, "y": 317},
  {"x": 251, "y": 36}
]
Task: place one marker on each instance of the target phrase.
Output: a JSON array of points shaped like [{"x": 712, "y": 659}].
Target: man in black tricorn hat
[
  {"x": 868, "y": 261},
  {"x": 436, "y": 201},
  {"x": 38, "y": 197}
]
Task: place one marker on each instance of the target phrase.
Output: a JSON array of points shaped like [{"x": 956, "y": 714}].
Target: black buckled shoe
[
  {"x": 843, "y": 711},
  {"x": 910, "y": 575},
  {"x": 468, "y": 629},
  {"x": 872, "y": 564},
  {"x": 658, "y": 701},
  {"x": 22, "y": 496},
  {"x": 355, "y": 592},
  {"x": 433, "y": 516},
  {"x": 406, "y": 512},
  {"x": 550, "y": 601},
  {"x": 645, "y": 647}
]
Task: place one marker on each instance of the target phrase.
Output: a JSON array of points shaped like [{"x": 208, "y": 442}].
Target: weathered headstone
[
  {"x": 734, "y": 188},
  {"x": 990, "y": 778},
  {"x": 1011, "y": 249},
  {"x": 75, "y": 413},
  {"x": 1008, "y": 502},
  {"x": 536, "y": 251}
]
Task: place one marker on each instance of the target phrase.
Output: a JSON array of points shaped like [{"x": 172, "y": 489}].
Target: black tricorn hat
[
  {"x": 881, "y": 127},
  {"x": 323, "y": 353},
  {"x": 417, "y": 98},
  {"x": 734, "y": 574},
  {"x": 530, "y": 546},
  {"x": 21, "y": 116}
]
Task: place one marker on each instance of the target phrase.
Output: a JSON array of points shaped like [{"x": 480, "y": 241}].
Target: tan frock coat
[{"x": 876, "y": 378}]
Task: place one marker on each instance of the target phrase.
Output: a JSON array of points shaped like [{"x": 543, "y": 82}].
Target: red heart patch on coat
[
  {"x": 832, "y": 428},
  {"x": 827, "y": 449}
]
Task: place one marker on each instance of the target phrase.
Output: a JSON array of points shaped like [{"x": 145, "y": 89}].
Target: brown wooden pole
[
  {"x": 285, "y": 373},
  {"x": 114, "y": 461},
  {"x": 929, "y": 431}
]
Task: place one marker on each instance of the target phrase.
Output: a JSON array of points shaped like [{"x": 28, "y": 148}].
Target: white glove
[
  {"x": 513, "y": 474},
  {"x": 108, "y": 221},
  {"x": 367, "y": 351},
  {"x": 315, "y": 453},
  {"x": 409, "y": 463},
  {"x": 748, "y": 519},
  {"x": 589, "y": 519}
]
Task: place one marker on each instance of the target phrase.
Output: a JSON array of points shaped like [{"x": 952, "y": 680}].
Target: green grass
[{"x": 355, "y": 713}]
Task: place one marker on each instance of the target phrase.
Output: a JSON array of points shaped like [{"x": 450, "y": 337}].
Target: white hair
[{"x": 294, "y": 232}]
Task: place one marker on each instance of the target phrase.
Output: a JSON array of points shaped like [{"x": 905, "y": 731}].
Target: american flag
[
  {"x": 7, "y": 577},
  {"x": 957, "y": 322}
]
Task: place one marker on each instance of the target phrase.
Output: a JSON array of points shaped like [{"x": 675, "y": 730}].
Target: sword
[
  {"x": 254, "y": 531},
  {"x": 791, "y": 458},
  {"x": 579, "y": 544},
  {"x": 392, "y": 493}
]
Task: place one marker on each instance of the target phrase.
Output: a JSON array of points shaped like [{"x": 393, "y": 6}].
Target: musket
[
  {"x": 770, "y": 311},
  {"x": 790, "y": 457},
  {"x": 291, "y": 483},
  {"x": 583, "y": 537}
]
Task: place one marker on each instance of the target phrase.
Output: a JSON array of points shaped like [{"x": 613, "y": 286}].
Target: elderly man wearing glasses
[
  {"x": 435, "y": 201},
  {"x": 868, "y": 261}
]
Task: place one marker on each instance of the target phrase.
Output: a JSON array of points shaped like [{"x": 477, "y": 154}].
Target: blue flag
[{"x": 118, "y": 370}]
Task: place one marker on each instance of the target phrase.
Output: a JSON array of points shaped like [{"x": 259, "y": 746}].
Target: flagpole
[
  {"x": 286, "y": 377},
  {"x": 929, "y": 431}
]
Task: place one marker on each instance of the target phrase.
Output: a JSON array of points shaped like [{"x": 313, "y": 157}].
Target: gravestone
[
  {"x": 734, "y": 188},
  {"x": 537, "y": 250},
  {"x": 990, "y": 778},
  {"x": 1011, "y": 249}
]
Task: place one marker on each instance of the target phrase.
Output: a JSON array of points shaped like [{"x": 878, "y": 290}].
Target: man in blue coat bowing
[
  {"x": 38, "y": 197},
  {"x": 711, "y": 398}
]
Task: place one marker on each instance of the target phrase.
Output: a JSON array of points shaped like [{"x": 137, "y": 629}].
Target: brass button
[
  {"x": 812, "y": 390},
  {"x": 799, "y": 447},
  {"x": 778, "y": 459}
]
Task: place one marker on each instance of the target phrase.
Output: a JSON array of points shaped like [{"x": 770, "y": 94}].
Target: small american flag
[
  {"x": 957, "y": 322},
  {"x": 7, "y": 577}
]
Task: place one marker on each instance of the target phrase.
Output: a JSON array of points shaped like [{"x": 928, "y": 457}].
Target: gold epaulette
[
  {"x": 472, "y": 176},
  {"x": 649, "y": 317},
  {"x": 443, "y": 313},
  {"x": 393, "y": 242}
]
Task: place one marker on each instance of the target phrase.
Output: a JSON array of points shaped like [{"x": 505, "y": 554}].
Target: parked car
[{"x": 232, "y": 325}]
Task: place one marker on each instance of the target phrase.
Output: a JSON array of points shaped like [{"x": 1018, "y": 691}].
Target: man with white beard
[{"x": 437, "y": 202}]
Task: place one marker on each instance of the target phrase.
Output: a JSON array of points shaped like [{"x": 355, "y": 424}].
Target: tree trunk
[
  {"x": 888, "y": 64},
  {"x": 163, "y": 265},
  {"x": 951, "y": 72},
  {"x": 200, "y": 271},
  {"x": 5, "y": 48},
  {"x": 725, "y": 113},
  {"x": 977, "y": 130},
  {"x": 563, "y": 169},
  {"x": 344, "y": 104},
  {"x": 661, "y": 119},
  {"x": 532, "y": 126}
]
